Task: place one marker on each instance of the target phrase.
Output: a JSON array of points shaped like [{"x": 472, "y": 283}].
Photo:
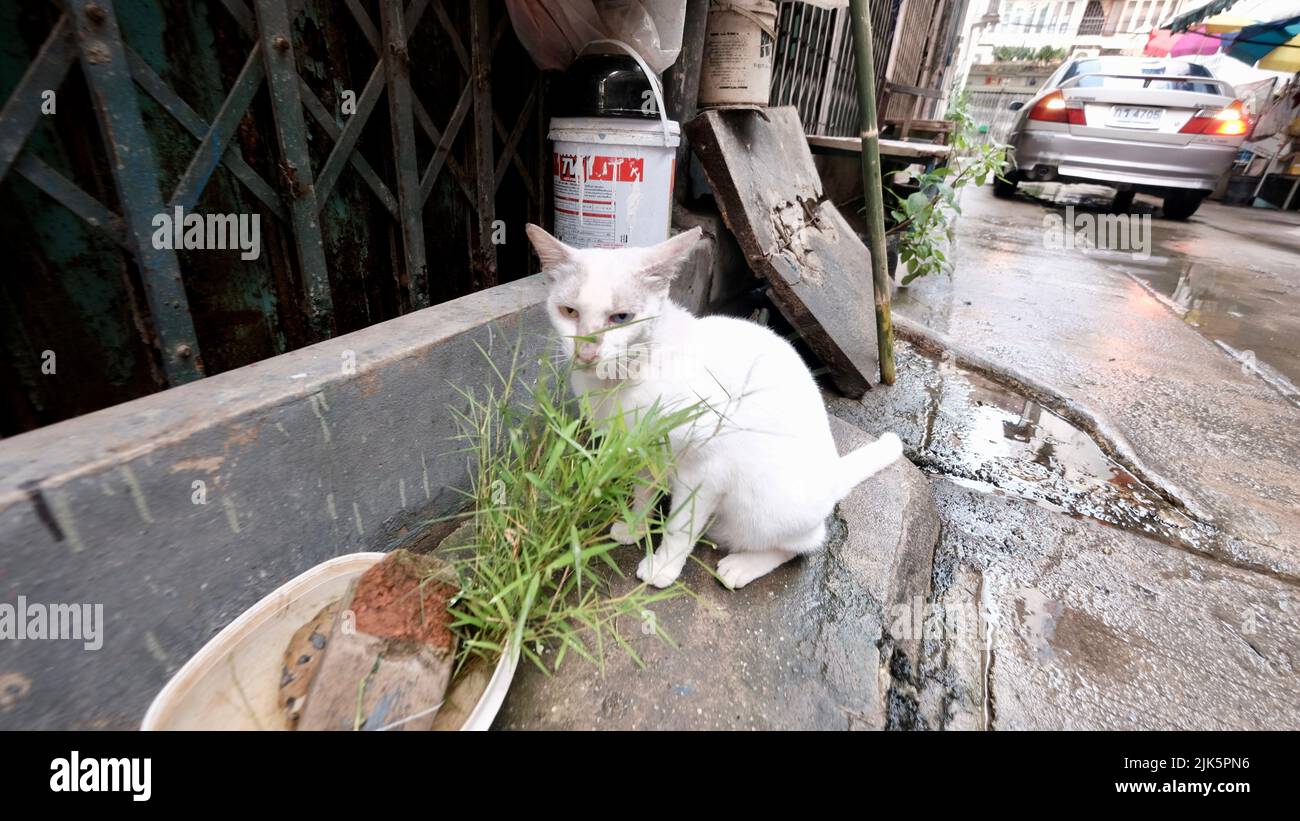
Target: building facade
[{"x": 1076, "y": 26}]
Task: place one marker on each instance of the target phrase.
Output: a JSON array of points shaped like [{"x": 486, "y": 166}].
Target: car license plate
[{"x": 1135, "y": 117}]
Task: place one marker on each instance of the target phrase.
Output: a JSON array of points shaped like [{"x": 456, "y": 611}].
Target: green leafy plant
[
  {"x": 1050, "y": 54},
  {"x": 1046, "y": 54},
  {"x": 546, "y": 485},
  {"x": 924, "y": 219}
]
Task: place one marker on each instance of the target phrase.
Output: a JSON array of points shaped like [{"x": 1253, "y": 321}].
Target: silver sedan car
[{"x": 1159, "y": 126}]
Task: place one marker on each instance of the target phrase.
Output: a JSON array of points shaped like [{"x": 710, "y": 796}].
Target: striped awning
[{"x": 1188, "y": 19}]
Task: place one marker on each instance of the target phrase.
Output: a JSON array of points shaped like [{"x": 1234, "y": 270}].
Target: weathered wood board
[{"x": 762, "y": 175}]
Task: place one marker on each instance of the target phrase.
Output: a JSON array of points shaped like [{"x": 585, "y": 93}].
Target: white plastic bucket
[
  {"x": 612, "y": 177},
  {"x": 739, "y": 41},
  {"x": 612, "y": 180}
]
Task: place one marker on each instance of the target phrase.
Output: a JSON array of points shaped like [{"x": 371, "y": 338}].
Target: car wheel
[
  {"x": 1123, "y": 202},
  {"x": 1006, "y": 189},
  {"x": 1182, "y": 205}
]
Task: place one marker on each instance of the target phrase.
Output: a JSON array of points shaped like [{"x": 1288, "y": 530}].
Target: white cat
[{"x": 759, "y": 469}]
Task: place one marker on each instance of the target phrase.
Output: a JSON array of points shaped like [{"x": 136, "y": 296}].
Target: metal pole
[{"x": 872, "y": 190}]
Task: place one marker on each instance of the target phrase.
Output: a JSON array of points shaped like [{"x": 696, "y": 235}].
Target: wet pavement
[
  {"x": 1225, "y": 441},
  {"x": 963, "y": 426},
  {"x": 1230, "y": 272},
  {"x": 1251, "y": 313},
  {"x": 1103, "y": 600}
]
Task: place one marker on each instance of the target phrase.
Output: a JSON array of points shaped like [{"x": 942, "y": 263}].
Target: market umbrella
[
  {"x": 1198, "y": 42},
  {"x": 1283, "y": 58},
  {"x": 1212, "y": 9},
  {"x": 1159, "y": 43},
  {"x": 1274, "y": 46},
  {"x": 1224, "y": 23}
]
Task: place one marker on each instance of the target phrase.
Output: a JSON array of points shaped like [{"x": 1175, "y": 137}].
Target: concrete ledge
[{"x": 338, "y": 447}]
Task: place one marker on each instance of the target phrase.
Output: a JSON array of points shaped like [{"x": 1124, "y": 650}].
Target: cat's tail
[{"x": 867, "y": 461}]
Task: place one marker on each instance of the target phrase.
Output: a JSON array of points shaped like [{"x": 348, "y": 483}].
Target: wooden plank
[
  {"x": 892, "y": 148},
  {"x": 924, "y": 125},
  {"x": 275, "y": 32},
  {"x": 135, "y": 176},
  {"x": 915, "y": 91},
  {"x": 762, "y": 175}
]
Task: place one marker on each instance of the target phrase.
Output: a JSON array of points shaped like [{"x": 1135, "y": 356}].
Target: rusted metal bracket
[
  {"x": 135, "y": 175},
  {"x": 484, "y": 256},
  {"x": 22, "y": 110},
  {"x": 274, "y": 30},
  {"x": 401, "y": 119}
]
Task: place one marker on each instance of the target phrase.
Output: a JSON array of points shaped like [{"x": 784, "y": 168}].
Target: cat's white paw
[
  {"x": 657, "y": 571},
  {"x": 622, "y": 533},
  {"x": 739, "y": 569}
]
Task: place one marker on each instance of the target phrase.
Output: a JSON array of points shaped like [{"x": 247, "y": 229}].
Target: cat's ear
[
  {"x": 549, "y": 250},
  {"x": 663, "y": 261}
]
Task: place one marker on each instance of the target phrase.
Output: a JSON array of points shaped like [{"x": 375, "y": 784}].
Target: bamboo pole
[{"x": 872, "y": 190}]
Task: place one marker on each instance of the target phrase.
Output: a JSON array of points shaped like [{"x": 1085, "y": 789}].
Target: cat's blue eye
[{"x": 619, "y": 319}]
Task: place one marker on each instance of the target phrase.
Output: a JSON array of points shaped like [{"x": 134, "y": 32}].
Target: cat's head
[{"x": 602, "y": 301}]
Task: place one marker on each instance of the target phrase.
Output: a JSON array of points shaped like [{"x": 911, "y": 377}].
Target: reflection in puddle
[
  {"x": 980, "y": 435},
  {"x": 1250, "y": 310},
  {"x": 1237, "y": 308},
  {"x": 1038, "y": 618}
]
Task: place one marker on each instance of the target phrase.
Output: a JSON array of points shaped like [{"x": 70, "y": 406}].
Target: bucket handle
[{"x": 650, "y": 75}]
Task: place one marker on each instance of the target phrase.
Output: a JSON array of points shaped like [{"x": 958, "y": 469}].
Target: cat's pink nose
[{"x": 587, "y": 353}]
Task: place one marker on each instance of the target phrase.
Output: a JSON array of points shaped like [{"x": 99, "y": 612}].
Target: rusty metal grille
[
  {"x": 814, "y": 65},
  {"x": 238, "y": 106}
]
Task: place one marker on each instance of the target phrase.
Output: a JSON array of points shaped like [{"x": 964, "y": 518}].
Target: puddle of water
[
  {"x": 983, "y": 436},
  {"x": 1251, "y": 311},
  {"x": 1038, "y": 617}
]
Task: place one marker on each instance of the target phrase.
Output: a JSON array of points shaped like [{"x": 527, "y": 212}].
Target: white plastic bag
[{"x": 554, "y": 32}]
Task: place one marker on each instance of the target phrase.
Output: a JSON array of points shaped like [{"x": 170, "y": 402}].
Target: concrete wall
[
  {"x": 300, "y": 458},
  {"x": 301, "y": 461}
]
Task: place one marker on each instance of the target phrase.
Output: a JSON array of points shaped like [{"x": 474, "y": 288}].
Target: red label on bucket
[
  {"x": 599, "y": 169},
  {"x": 611, "y": 196}
]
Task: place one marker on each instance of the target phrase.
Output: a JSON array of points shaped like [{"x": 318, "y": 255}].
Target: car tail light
[
  {"x": 1231, "y": 121},
  {"x": 1054, "y": 108}
]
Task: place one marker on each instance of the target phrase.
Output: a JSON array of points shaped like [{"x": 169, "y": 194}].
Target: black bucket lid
[{"x": 605, "y": 85}]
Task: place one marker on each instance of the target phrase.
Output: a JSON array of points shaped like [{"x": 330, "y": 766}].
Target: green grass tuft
[{"x": 546, "y": 486}]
